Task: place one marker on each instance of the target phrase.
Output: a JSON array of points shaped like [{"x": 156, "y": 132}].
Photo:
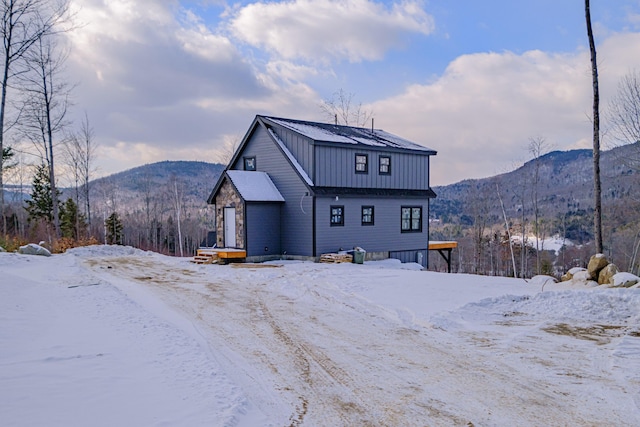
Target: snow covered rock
[
  {"x": 624, "y": 280},
  {"x": 2, "y": 249},
  {"x": 581, "y": 276},
  {"x": 542, "y": 280},
  {"x": 569, "y": 274},
  {"x": 607, "y": 273},
  {"x": 597, "y": 263},
  {"x": 33, "y": 249}
]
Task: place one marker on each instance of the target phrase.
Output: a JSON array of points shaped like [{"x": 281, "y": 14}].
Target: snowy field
[{"x": 112, "y": 336}]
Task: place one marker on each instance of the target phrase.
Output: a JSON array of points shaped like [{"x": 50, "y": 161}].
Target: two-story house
[{"x": 300, "y": 189}]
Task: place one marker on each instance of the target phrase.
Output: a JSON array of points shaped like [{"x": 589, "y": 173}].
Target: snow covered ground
[{"x": 106, "y": 336}]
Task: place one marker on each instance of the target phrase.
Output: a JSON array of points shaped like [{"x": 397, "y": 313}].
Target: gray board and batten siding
[
  {"x": 262, "y": 228},
  {"x": 329, "y": 159},
  {"x": 296, "y": 214},
  {"x": 313, "y": 163},
  {"x": 385, "y": 235}
]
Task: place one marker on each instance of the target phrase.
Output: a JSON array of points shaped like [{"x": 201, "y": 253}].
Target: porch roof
[{"x": 254, "y": 186}]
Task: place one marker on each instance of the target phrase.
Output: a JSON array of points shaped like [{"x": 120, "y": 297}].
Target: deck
[
  {"x": 444, "y": 248},
  {"x": 222, "y": 255}
]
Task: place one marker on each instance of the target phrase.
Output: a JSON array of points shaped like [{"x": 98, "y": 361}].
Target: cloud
[
  {"x": 323, "y": 30},
  {"x": 158, "y": 82},
  {"x": 480, "y": 114},
  {"x": 147, "y": 70}
]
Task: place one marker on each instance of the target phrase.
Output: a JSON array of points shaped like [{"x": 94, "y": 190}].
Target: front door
[{"x": 230, "y": 227}]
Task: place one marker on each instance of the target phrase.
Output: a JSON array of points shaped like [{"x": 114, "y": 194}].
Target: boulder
[
  {"x": 581, "y": 276},
  {"x": 33, "y": 249},
  {"x": 2, "y": 249},
  {"x": 569, "y": 274},
  {"x": 624, "y": 280},
  {"x": 597, "y": 263},
  {"x": 542, "y": 280},
  {"x": 607, "y": 273}
]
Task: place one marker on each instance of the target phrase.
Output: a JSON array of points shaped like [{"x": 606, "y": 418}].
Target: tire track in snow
[{"x": 311, "y": 355}]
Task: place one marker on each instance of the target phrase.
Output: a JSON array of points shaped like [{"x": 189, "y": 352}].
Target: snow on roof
[
  {"x": 291, "y": 158},
  {"x": 325, "y": 132},
  {"x": 255, "y": 186}
]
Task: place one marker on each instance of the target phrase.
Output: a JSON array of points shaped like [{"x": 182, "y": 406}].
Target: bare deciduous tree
[
  {"x": 47, "y": 100},
  {"x": 80, "y": 150},
  {"x": 623, "y": 115},
  {"x": 507, "y": 228},
  {"x": 228, "y": 149},
  {"x": 176, "y": 191},
  {"x": 597, "y": 186},
  {"x": 342, "y": 109},
  {"x": 537, "y": 147},
  {"x": 22, "y": 24}
]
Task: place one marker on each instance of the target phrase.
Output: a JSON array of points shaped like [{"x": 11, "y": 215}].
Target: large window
[
  {"x": 249, "y": 163},
  {"x": 337, "y": 215},
  {"x": 384, "y": 165},
  {"x": 362, "y": 163},
  {"x": 367, "y": 215},
  {"x": 411, "y": 219}
]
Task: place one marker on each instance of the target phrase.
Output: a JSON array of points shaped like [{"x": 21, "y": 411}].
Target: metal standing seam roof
[
  {"x": 254, "y": 186},
  {"x": 325, "y": 132}
]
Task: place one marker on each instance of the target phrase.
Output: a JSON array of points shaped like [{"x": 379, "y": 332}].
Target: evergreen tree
[
  {"x": 7, "y": 154},
  {"x": 72, "y": 222},
  {"x": 114, "y": 227},
  {"x": 40, "y": 207}
]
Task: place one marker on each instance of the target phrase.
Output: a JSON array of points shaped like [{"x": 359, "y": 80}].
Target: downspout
[{"x": 313, "y": 228}]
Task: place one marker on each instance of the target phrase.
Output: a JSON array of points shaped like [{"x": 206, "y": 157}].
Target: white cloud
[
  {"x": 143, "y": 68},
  {"x": 158, "y": 83},
  {"x": 321, "y": 30},
  {"x": 481, "y": 112}
]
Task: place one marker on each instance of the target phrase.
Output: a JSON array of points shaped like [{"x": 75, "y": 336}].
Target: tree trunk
[{"x": 597, "y": 187}]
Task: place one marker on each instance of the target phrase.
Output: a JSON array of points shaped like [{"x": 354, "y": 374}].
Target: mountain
[
  {"x": 132, "y": 188},
  {"x": 564, "y": 189},
  {"x": 200, "y": 177}
]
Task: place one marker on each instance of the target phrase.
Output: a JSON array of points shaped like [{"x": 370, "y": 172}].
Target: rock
[
  {"x": 33, "y": 249},
  {"x": 624, "y": 280},
  {"x": 597, "y": 263},
  {"x": 581, "y": 276},
  {"x": 607, "y": 273},
  {"x": 2, "y": 249},
  {"x": 569, "y": 274},
  {"x": 542, "y": 280}
]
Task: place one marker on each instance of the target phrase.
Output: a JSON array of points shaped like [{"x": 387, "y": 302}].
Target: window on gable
[
  {"x": 411, "y": 219},
  {"x": 249, "y": 163},
  {"x": 362, "y": 163},
  {"x": 384, "y": 165},
  {"x": 337, "y": 216},
  {"x": 367, "y": 215}
]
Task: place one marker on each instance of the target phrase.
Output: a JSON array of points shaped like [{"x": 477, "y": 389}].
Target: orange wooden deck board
[{"x": 443, "y": 245}]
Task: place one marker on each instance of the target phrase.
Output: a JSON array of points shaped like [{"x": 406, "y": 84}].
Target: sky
[{"x": 475, "y": 81}]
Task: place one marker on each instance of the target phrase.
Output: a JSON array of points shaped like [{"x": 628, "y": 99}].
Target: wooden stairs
[
  {"x": 218, "y": 255},
  {"x": 204, "y": 257}
]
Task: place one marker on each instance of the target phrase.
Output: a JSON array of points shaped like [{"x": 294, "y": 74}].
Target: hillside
[
  {"x": 565, "y": 187},
  {"x": 198, "y": 177}
]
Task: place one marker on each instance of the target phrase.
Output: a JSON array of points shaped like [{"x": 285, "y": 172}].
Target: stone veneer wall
[{"x": 228, "y": 197}]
